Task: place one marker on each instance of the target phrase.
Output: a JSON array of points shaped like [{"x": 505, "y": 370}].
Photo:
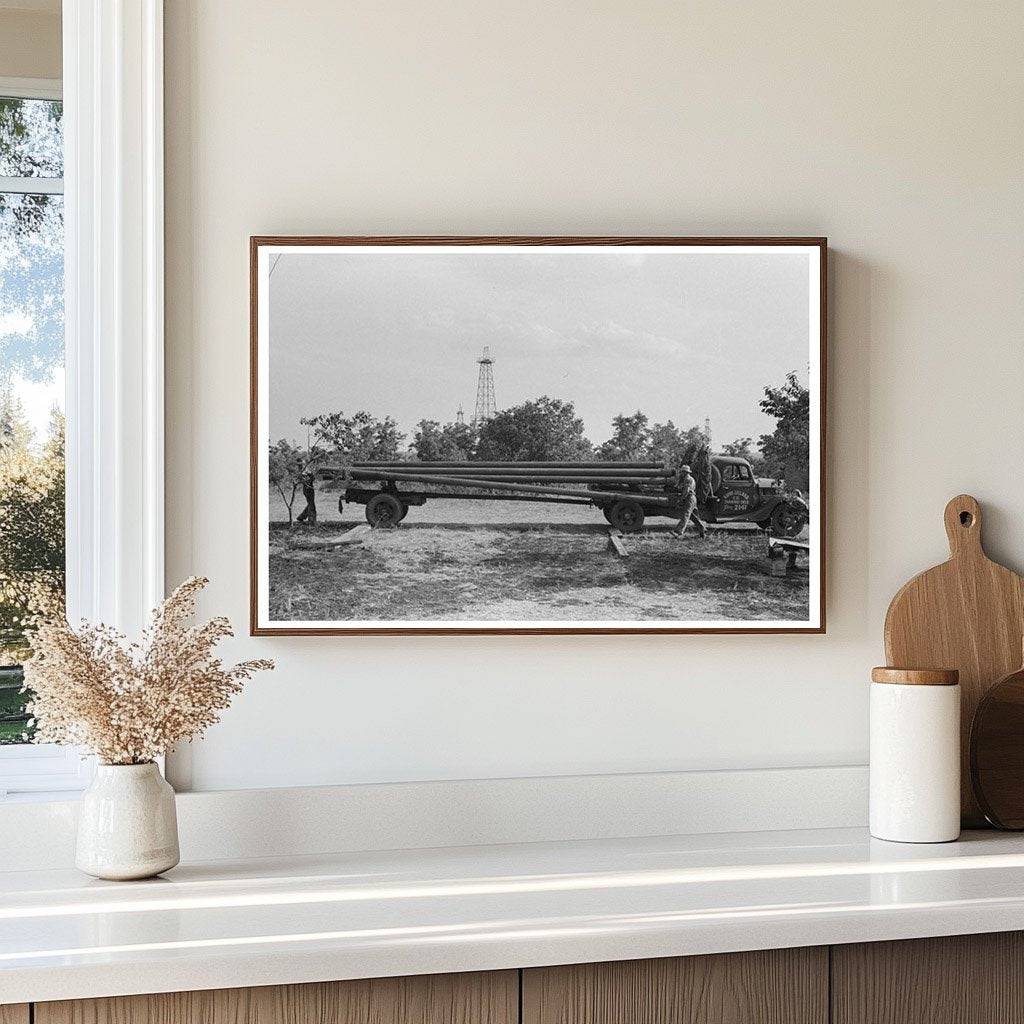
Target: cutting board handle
[{"x": 963, "y": 526}]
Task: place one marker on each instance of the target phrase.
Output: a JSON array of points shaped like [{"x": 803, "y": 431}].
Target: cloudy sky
[{"x": 679, "y": 335}]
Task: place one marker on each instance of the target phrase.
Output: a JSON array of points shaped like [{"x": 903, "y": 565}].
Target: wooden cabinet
[
  {"x": 777, "y": 986},
  {"x": 971, "y": 979},
  {"x": 491, "y": 998},
  {"x": 963, "y": 979}
]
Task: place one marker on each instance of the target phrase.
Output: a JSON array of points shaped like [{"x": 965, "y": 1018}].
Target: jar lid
[{"x": 916, "y": 676}]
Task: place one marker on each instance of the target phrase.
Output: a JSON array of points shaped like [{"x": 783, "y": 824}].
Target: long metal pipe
[
  {"x": 653, "y": 476},
  {"x": 398, "y": 464},
  {"x": 537, "y": 478},
  {"x": 454, "y": 481},
  {"x": 571, "y": 478},
  {"x": 508, "y": 467},
  {"x": 541, "y": 499}
]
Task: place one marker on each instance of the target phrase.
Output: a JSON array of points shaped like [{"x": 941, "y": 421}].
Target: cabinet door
[
  {"x": 14, "y": 1013},
  {"x": 962, "y": 979},
  {"x": 490, "y": 998},
  {"x": 778, "y": 986}
]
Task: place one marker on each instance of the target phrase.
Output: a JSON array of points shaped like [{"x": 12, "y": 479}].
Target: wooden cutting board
[
  {"x": 997, "y": 752},
  {"x": 967, "y": 614}
]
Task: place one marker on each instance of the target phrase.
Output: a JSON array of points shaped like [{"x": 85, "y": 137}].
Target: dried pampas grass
[{"x": 129, "y": 703}]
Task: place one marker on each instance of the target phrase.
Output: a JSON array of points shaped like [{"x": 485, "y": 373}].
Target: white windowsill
[{"x": 42, "y": 771}]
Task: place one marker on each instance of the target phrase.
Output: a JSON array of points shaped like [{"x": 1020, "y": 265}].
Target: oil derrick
[{"x": 485, "y": 405}]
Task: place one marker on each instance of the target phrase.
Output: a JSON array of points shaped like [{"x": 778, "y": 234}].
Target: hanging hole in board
[{"x": 966, "y": 519}]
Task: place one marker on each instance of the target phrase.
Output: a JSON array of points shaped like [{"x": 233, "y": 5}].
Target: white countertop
[{"x": 261, "y": 922}]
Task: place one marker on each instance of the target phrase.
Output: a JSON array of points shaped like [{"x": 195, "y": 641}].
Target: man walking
[
  {"x": 689, "y": 508},
  {"x": 308, "y": 514}
]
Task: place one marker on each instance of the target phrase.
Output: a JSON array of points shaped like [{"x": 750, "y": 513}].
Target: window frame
[
  {"x": 112, "y": 90},
  {"x": 32, "y": 88},
  {"x": 48, "y": 89}
]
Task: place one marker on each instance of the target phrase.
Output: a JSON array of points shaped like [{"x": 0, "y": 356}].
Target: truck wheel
[
  {"x": 383, "y": 511},
  {"x": 787, "y": 520},
  {"x": 626, "y": 515}
]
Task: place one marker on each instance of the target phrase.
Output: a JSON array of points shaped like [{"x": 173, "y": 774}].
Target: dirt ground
[{"x": 521, "y": 561}]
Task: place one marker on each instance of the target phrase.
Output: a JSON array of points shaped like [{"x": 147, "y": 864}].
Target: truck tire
[
  {"x": 787, "y": 520},
  {"x": 627, "y": 515},
  {"x": 383, "y": 511}
]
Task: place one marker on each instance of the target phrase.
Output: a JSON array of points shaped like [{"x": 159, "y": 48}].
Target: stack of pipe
[
  {"x": 525, "y": 472},
  {"x": 527, "y": 477}
]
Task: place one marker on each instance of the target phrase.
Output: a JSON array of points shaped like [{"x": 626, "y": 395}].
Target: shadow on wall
[{"x": 855, "y": 288}]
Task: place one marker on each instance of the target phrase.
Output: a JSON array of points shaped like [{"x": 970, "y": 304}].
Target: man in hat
[
  {"x": 689, "y": 507},
  {"x": 308, "y": 514}
]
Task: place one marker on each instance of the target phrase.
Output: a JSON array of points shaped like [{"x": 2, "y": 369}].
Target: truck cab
[
  {"x": 734, "y": 485},
  {"x": 738, "y": 496}
]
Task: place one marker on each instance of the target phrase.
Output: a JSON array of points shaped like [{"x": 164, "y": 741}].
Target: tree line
[
  {"x": 548, "y": 430},
  {"x": 31, "y": 540}
]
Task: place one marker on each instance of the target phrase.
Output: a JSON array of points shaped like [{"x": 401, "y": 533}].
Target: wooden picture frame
[{"x": 263, "y": 249}]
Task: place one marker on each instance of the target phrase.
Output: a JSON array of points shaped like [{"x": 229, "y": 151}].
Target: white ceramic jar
[
  {"x": 127, "y": 824},
  {"x": 915, "y": 755}
]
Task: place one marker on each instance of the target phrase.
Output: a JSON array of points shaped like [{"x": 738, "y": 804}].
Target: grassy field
[
  {"x": 12, "y": 722},
  {"x": 523, "y": 570}
]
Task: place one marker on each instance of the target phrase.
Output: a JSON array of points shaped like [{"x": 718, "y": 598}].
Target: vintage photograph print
[{"x": 539, "y": 435}]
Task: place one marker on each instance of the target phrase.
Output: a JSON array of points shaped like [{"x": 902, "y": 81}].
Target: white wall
[{"x": 895, "y": 129}]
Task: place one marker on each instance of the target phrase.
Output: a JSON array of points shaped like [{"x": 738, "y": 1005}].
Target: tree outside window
[{"x": 32, "y": 495}]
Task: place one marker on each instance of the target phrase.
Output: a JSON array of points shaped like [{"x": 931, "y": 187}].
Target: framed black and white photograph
[{"x": 537, "y": 435}]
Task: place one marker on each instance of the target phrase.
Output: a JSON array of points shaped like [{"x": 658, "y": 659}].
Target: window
[
  {"x": 92, "y": 172},
  {"x": 735, "y": 471},
  {"x": 31, "y": 411}
]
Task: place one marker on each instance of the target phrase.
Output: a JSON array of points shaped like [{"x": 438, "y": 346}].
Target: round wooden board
[{"x": 997, "y": 752}]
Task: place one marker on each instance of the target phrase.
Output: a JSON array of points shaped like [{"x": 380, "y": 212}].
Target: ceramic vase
[{"x": 127, "y": 825}]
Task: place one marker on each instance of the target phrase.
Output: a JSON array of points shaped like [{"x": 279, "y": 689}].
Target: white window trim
[
  {"x": 113, "y": 169},
  {"x": 32, "y": 186},
  {"x": 114, "y": 321},
  {"x": 43, "y": 769},
  {"x": 31, "y": 88}
]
